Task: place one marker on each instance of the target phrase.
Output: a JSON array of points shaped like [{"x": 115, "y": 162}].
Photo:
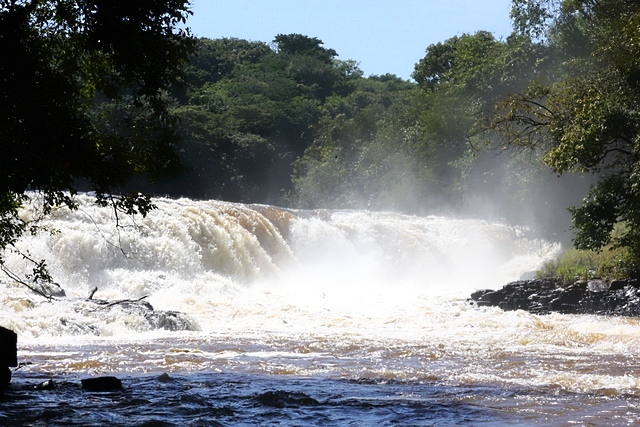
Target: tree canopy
[
  {"x": 583, "y": 112},
  {"x": 249, "y": 110},
  {"x": 267, "y": 124},
  {"x": 84, "y": 100}
]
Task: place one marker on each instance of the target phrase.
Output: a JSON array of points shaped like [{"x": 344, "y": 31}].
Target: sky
[{"x": 382, "y": 36}]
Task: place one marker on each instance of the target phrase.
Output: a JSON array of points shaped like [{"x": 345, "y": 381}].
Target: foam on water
[
  {"x": 346, "y": 293},
  {"x": 260, "y": 265}
]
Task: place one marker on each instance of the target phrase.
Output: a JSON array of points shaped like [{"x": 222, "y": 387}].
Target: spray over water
[
  {"x": 325, "y": 293},
  {"x": 260, "y": 265}
]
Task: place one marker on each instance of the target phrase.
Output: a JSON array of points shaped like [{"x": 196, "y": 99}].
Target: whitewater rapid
[
  {"x": 325, "y": 293},
  {"x": 234, "y": 266},
  {"x": 363, "y": 314}
]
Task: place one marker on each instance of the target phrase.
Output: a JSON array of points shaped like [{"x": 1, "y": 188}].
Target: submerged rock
[
  {"x": 171, "y": 321},
  {"x": 46, "y": 385},
  {"x": 164, "y": 378},
  {"x": 101, "y": 384},
  {"x": 283, "y": 399},
  {"x": 50, "y": 289},
  {"x": 542, "y": 296}
]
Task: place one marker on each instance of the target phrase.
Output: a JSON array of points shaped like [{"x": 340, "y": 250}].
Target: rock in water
[
  {"x": 283, "y": 399},
  {"x": 164, "y": 378},
  {"x": 46, "y": 385},
  {"x": 102, "y": 384},
  {"x": 48, "y": 289},
  {"x": 542, "y": 296},
  {"x": 157, "y": 319},
  {"x": 8, "y": 355}
]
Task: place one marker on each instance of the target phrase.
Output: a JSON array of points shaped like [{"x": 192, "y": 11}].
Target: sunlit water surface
[{"x": 304, "y": 318}]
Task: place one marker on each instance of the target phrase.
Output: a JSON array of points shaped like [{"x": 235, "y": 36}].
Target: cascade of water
[
  {"x": 214, "y": 259},
  {"x": 344, "y": 293}
]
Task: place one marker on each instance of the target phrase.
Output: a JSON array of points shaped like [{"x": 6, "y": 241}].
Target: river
[{"x": 303, "y": 318}]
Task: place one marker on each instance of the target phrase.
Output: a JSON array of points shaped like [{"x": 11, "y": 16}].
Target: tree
[
  {"x": 213, "y": 60},
  {"x": 249, "y": 111},
  {"x": 458, "y": 78},
  {"x": 84, "y": 101},
  {"x": 359, "y": 149},
  {"x": 584, "y": 114},
  {"x": 309, "y": 63},
  {"x": 298, "y": 44}
]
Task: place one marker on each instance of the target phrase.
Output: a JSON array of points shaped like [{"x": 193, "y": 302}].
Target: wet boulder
[
  {"x": 45, "y": 385},
  {"x": 157, "y": 319},
  {"x": 49, "y": 289},
  {"x": 542, "y": 296},
  {"x": 519, "y": 295},
  {"x": 617, "y": 285},
  {"x": 284, "y": 399},
  {"x": 488, "y": 297},
  {"x": 171, "y": 321}
]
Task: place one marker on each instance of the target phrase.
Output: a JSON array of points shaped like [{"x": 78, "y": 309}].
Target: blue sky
[{"x": 383, "y": 36}]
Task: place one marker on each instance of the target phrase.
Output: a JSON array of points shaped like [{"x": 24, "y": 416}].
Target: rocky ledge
[{"x": 544, "y": 296}]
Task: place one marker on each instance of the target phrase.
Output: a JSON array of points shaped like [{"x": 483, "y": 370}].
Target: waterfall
[{"x": 245, "y": 265}]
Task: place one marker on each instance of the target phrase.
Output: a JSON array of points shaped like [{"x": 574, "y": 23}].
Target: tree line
[
  {"x": 287, "y": 123},
  {"x": 520, "y": 128}
]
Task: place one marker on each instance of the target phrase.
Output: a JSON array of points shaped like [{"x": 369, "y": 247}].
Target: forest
[
  {"x": 287, "y": 123},
  {"x": 541, "y": 129}
]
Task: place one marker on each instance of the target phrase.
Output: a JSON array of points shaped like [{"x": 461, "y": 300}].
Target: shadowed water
[
  {"x": 222, "y": 399},
  {"x": 251, "y": 400}
]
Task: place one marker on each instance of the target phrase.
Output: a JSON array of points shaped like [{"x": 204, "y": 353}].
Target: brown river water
[{"x": 304, "y": 318}]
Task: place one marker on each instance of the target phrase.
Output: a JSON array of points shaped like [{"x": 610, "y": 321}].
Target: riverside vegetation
[{"x": 519, "y": 129}]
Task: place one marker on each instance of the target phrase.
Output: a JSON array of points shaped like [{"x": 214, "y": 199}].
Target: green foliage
[
  {"x": 583, "y": 112},
  {"x": 216, "y": 59},
  {"x": 530, "y": 17},
  {"x": 577, "y": 264},
  {"x": 297, "y": 44},
  {"x": 469, "y": 64},
  {"x": 361, "y": 150},
  {"x": 250, "y": 111},
  {"x": 259, "y": 123},
  {"x": 460, "y": 79},
  {"x": 83, "y": 98},
  {"x": 389, "y": 144}
]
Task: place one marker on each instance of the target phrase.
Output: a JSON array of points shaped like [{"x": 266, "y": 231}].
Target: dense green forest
[
  {"x": 287, "y": 123},
  {"x": 520, "y": 129}
]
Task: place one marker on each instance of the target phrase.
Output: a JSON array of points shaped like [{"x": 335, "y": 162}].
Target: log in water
[{"x": 304, "y": 318}]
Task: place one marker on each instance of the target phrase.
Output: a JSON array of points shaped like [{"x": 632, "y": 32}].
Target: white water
[
  {"x": 345, "y": 293},
  {"x": 262, "y": 266}
]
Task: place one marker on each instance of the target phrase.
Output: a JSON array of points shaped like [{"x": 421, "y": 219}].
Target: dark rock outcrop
[
  {"x": 158, "y": 319},
  {"x": 101, "y": 384},
  {"x": 48, "y": 289},
  {"x": 542, "y": 296},
  {"x": 283, "y": 399},
  {"x": 8, "y": 356}
]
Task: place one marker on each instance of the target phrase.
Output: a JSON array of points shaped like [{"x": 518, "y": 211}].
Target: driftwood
[
  {"x": 105, "y": 304},
  {"x": 48, "y": 290}
]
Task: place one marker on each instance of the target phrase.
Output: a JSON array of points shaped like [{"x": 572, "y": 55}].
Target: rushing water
[{"x": 304, "y": 318}]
